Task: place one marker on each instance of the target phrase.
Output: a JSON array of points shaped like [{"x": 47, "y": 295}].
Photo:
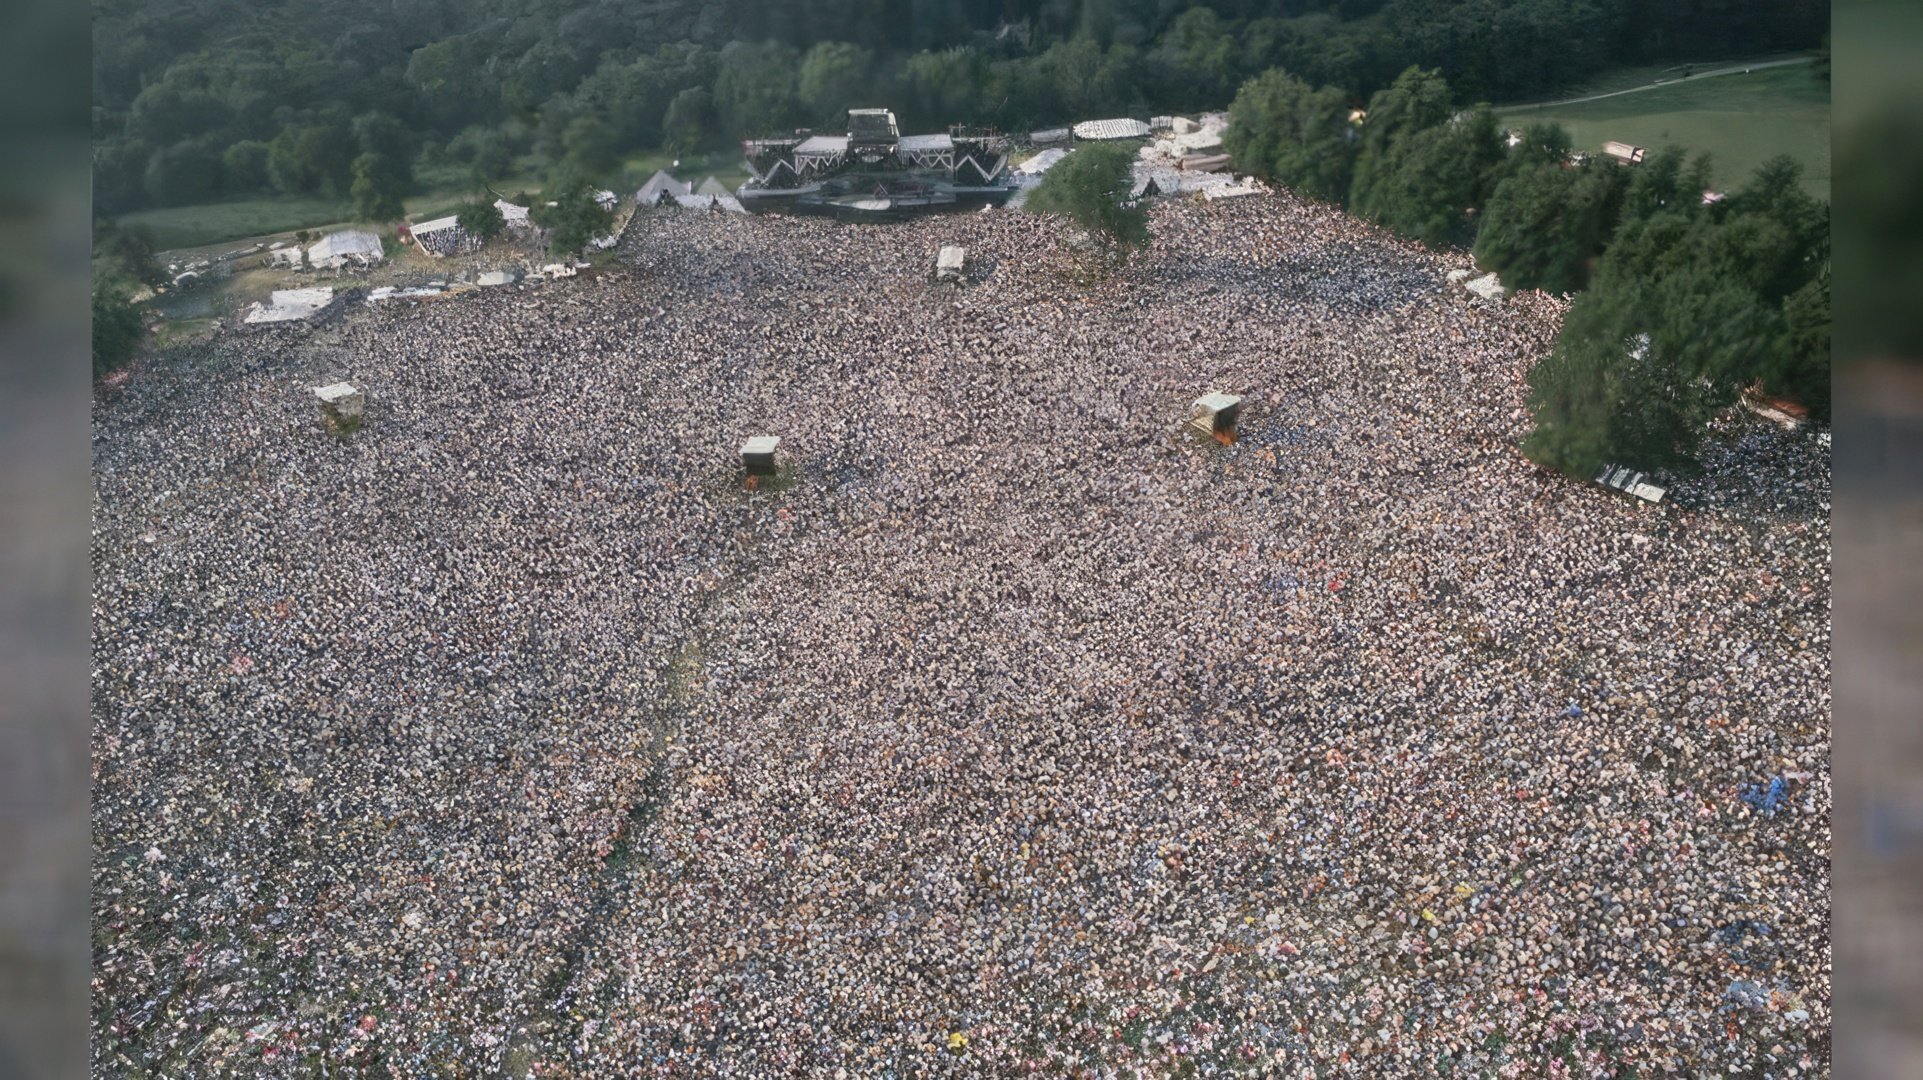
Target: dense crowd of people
[{"x": 1014, "y": 728}]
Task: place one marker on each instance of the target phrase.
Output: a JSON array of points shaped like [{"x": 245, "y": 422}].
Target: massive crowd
[{"x": 1013, "y": 729}]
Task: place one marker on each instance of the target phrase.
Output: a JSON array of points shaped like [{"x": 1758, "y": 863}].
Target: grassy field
[
  {"x": 183, "y": 227},
  {"x": 212, "y": 225},
  {"x": 725, "y": 166},
  {"x": 1740, "y": 121}
]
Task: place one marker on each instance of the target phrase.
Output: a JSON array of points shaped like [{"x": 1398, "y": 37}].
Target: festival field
[
  {"x": 1740, "y": 121},
  {"x": 1015, "y": 730}
]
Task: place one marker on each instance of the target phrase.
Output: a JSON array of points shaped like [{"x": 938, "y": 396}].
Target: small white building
[
  {"x": 950, "y": 262},
  {"x": 343, "y": 405},
  {"x": 1215, "y": 415},
  {"x": 758, "y": 455}
]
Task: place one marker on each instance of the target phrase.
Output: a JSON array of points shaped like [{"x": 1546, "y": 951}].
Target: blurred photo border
[
  {"x": 45, "y": 512},
  {"x": 1876, "y": 911},
  {"x": 45, "y": 505}
]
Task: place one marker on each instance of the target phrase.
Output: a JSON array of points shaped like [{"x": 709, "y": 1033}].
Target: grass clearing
[
  {"x": 1740, "y": 121},
  {"x": 182, "y": 228},
  {"x": 210, "y": 223}
]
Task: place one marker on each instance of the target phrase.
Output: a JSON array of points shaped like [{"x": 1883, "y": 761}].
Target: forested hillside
[{"x": 199, "y": 99}]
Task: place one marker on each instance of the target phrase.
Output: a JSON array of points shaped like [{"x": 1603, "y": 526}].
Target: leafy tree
[
  {"x": 574, "y": 219},
  {"x": 116, "y": 324},
  {"x": 1774, "y": 194},
  {"x": 167, "y": 112},
  {"x": 754, "y": 90},
  {"x": 186, "y": 172},
  {"x": 243, "y": 166},
  {"x": 119, "y": 175},
  {"x": 1202, "y": 54},
  {"x": 1425, "y": 183},
  {"x": 126, "y": 252},
  {"x": 1299, "y": 137},
  {"x": 1091, "y": 188},
  {"x": 1543, "y": 226},
  {"x": 690, "y": 119},
  {"x": 1799, "y": 367},
  {"x": 1667, "y": 181},
  {"x": 944, "y": 87},
  {"x": 835, "y": 77},
  {"x": 453, "y": 82},
  {"x": 377, "y": 189},
  {"x": 309, "y": 158},
  {"x": 588, "y": 146},
  {"x": 1421, "y": 167},
  {"x": 483, "y": 149},
  {"x": 634, "y": 96},
  {"x": 380, "y": 134},
  {"x": 1687, "y": 309},
  {"x": 481, "y": 219}
]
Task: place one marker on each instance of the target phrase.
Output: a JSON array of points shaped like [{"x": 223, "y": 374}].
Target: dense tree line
[
  {"x": 199, "y": 99},
  {"x": 1685, "y": 300}
]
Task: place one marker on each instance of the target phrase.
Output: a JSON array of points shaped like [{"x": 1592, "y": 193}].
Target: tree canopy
[
  {"x": 1091, "y": 187},
  {"x": 1690, "y": 306},
  {"x": 1283, "y": 130},
  {"x": 179, "y": 84}
]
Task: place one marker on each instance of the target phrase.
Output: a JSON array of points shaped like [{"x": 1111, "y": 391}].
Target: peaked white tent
[{"x": 660, "y": 188}]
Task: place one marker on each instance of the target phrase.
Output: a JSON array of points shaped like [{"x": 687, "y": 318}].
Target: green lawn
[
  {"x": 724, "y": 165},
  {"x": 1739, "y": 120},
  {"x": 211, "y": 223},
  {"x": 205, "y": 224}
]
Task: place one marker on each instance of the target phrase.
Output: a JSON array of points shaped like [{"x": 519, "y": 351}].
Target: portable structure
[
  {"x": 1041, "y": 162},
  {"x": 949, "y": 262},
  {"x": 1111, "y": 129},
  {"x": 343, "y": 405},
  {"x": 1630, "y": 482},
  {"x": 758, "y": 455},
  {"x": 661, "y": 188},
  {"x": 875, "y": 173},
  {"x": 1625, "y": 153},
  {"x": 349, "y": 247},
  {"x": 1215, "y": 415},
  {"x": 442, "y": 236},
  {"x": 290, "y": 305},
  {"x": 514, "y": 217}
]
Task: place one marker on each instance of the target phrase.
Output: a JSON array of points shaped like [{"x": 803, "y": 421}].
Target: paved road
[{"x": 1738, "y": 69}]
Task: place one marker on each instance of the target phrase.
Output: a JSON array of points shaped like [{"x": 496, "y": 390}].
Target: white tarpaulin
[
  {"x": 1111, "y": 129},
  {"x": 1041, "y": 162},
  {"x": 290, "y": 305},
  {"x": 335, "y": 250}
]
